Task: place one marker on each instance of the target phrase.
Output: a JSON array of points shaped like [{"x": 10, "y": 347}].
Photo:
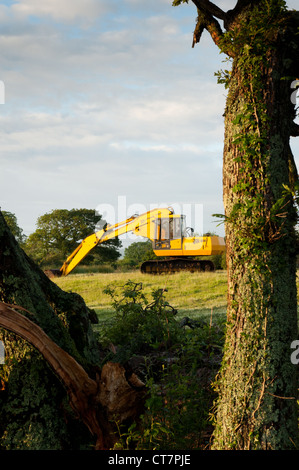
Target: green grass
[{"x": 192, "y": 294}]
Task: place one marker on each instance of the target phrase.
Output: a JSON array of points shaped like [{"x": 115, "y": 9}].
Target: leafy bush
[
  {"x": 139, "y": 326},
  {"x": 181, "y": 359},
  {"x": 180, "y": 397}
]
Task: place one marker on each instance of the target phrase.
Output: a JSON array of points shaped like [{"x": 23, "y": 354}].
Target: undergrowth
[{"x": 177, "y": 360}]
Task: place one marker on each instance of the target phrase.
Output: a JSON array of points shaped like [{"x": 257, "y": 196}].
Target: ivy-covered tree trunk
[{"x": 257, "y": 387}]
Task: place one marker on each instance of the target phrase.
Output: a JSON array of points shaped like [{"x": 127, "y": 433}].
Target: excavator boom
[
  {"x": 142, "y": 225},
  {"x": 79, "y": 253}
]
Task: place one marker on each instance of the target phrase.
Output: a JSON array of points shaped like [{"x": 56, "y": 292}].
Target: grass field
[{"x": 192, "y": 294}]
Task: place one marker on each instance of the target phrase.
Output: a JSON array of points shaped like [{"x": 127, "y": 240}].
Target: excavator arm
[{"x": 142, "y": 225}]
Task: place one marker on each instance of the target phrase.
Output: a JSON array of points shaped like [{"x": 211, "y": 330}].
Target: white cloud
[
  {"x": 99, "y": 105},
  {"x": 69, "y": 11}
]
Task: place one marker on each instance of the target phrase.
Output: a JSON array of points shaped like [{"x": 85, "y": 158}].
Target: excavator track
[{"x": 174, "y": 265}]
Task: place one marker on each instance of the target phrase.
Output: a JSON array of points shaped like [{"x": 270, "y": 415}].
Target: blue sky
[{"x": 107, "y": 99}]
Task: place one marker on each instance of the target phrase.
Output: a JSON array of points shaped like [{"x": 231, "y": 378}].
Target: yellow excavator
[{"x": 170, "y": 237}]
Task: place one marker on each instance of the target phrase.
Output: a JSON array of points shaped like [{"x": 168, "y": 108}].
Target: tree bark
[{"x": 257, "y": 385}]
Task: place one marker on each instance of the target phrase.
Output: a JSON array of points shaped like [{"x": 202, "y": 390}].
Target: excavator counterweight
[{"x": 175, "y": 245}]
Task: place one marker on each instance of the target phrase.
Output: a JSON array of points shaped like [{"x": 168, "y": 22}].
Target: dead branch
[
  {"x": 208, "y": 13},
  {"x": 210, "y": 8},
  {"x": 208, "y": 22}
]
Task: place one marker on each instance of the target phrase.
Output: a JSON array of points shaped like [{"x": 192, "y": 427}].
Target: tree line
[{"x": 59, "y": 232}]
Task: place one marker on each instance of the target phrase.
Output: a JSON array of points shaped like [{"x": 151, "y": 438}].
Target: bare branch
[
  {"x": 207, "y": 21},
  {"x": 211, "y": 8},
  {"x": 201, "y": 24},
  {"x": 208, "y": 13}
]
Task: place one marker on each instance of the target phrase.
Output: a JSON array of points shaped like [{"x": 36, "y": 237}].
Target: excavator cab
[
  {"x": 177, "y": 247},
  {"x": 169, "y": 232}
]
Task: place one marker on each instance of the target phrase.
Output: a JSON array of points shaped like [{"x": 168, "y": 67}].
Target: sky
[{"x": 108, "y": 107}]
